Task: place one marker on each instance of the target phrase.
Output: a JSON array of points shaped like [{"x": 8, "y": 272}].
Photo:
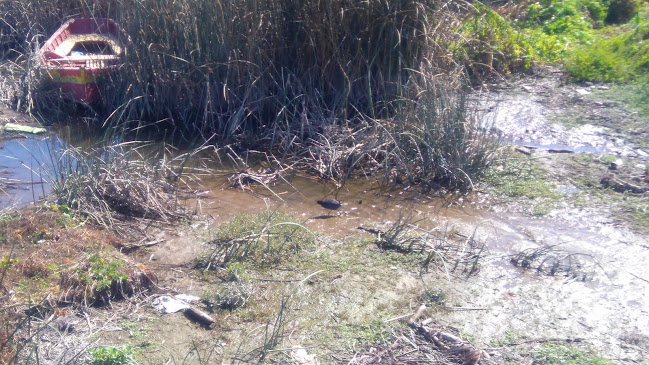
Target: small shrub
[
  {"x": 434, "y": 296},
  {"x": 102, "y": 273},
  {"x": 621, "y": 11},
  {"x": 230, "y": 296},
  {"x": 111, "y": 355}
]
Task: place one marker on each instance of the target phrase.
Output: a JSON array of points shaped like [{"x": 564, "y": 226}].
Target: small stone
[
  {"x": 616, "y": 164},
  {"x": 583, "y": 92}
]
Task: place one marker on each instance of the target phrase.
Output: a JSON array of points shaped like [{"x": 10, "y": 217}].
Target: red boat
[{"x": 80, "y": 52}]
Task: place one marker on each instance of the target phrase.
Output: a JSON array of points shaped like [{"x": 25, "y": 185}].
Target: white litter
[
  {"x": 187, "y": 298},
  {"x": 167, "y": 304}
]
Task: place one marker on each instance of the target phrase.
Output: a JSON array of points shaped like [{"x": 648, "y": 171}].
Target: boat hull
[{"x": 81, "y": 52}]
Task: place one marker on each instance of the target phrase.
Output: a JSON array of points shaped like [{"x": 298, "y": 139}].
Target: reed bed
[
  {"x": 291, "y": 77},
  {"x": 125, "y": 187}
]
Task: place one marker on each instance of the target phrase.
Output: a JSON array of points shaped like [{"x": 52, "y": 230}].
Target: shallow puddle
[{"x": 23, "y": 171}]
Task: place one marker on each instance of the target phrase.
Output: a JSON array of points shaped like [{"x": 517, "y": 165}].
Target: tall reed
[{"x": 282, "y": 74}]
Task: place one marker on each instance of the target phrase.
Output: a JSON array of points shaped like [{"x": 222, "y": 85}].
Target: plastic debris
[
  {"x": 167, "y": 304},
  {"x": 12, "y": 127}
]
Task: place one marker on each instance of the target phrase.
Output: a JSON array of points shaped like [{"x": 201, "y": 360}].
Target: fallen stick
[
  {"x": 465, "y": 309},
  {"x": 621, "y": 186},
  {"x": 199, "y": 316}
]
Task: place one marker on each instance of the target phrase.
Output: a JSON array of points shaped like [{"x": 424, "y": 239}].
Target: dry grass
[
  {"x": 554, "y": 260},
  {"x": 53, "y": 265},
  {"x": 421, "y": 342},
  {"x": 124, "y": 187}
]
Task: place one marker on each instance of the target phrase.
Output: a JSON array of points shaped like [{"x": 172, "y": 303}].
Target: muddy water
[
  {"x": 23, "y": 175},
  {"x": 365, "y": 203}
]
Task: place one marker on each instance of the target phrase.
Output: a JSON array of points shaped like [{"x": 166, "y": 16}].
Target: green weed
[
  {"x": 102, "y": 273},
  {"x": 618, "y": 53},
  {"x": 7, "y": 262},
  {"x": 494, "y": 45},
  {"x": 111, "y": 355},
  {"x": 434, "y": 296}
]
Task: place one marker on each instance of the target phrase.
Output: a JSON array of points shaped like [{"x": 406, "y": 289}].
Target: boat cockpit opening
[{"x": 91, "y": 48}]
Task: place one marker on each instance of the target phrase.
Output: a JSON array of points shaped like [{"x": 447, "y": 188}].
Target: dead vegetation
[
  {"x": 120, "y": 188},
  {"x": 441, "y": 249},
  {"x": 420, "y": 342},
  {"x": 50, "y": 264}
]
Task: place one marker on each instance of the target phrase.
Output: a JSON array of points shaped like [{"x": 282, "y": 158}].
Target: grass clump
[
  {"x": 556, "y": 354},
  {"x": 114, "y": 184},
  {"x": 523, "y": 178},
  {"x": 235, "y": 292},
  {"x": 264, "y": 239},
  {"x": 231, "y": 295}
]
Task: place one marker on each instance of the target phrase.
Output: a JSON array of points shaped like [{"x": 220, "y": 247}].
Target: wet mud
[{"x": 544, "y": 111}]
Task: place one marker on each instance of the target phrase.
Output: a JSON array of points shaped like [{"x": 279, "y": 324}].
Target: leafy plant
[
  {"x": 103, "y": 273},
  {"x": 6, "y": 262},
  {"x": 111, "y": 355},
  {"x": 572, "y": 18},
  {"x": 494, "y": 45}
]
